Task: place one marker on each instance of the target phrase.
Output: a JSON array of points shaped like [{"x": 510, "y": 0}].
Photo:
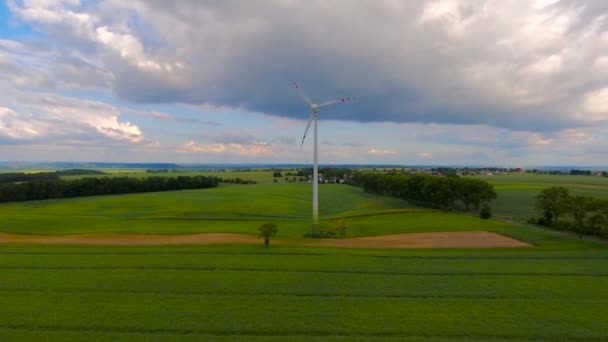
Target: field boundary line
[
  {"x": 583, "y": 237},
  {"x": 319, "y": 333},
  {"x": 306, "y": 295},
  {"x": 204, "y": 269},
  {"x": 415, "y": 257}
]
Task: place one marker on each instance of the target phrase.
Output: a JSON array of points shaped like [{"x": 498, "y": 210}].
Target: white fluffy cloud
[
  {"x": 381, "y": 151},
  {"x": 245, "y": 150},
  {"x": 13, "y": 126},
  {"x": 64, "y": 119}
]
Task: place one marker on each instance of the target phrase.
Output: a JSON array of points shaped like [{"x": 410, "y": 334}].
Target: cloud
[
  {"x": 241, "y": 137},
  {"x": 283, "y": 140},
  {"x": 506, "y": 64},
  {"x": 12, "y": 126},
  {"x": 34, "y": 65},
  {"x": 460, "y": 80},
  {"x": 158, "y": 115},
  {"x": 596, "y": 102},
  {"x": 49, "y": 117},
  {"x": 254, "y": 149},
  {"x": 379, "y": 151},
  {"x": 424, "y": 154},
  {"x": 240, "y": 142},
  {"x": 193, "y": 146}
]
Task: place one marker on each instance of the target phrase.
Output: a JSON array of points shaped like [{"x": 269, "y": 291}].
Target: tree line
[
  {"x": 59, "y": 188},
  {"x": 582, "y": 214},
  {"x": 327, "y": 172},
  {"x": 449, "y": 193},
  {"x": 11, "y": 177},
  {"x": 237, "y": 180}
]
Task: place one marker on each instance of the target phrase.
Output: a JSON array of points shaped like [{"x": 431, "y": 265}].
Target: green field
[
  {"x": 517, "y": 192},
  {"x": 248, "y": 293},
  {"x": 239, "y": 209},
  {"x": 260, "y": 176},
  {"x": 229, "y": 208},
  {"x": 556, "y": 290}
]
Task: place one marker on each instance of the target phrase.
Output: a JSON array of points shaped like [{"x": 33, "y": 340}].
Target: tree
[
  {"x": 599, "y": 221},
  {"x": 475, "y": 192},
  {"x": 268, "y": 230},
  {"x": 553, "y": 202},
  {"x": 579, "y": 206},
  {"x": 485, "y": 212},
  {"x": 277, "y": 174}
]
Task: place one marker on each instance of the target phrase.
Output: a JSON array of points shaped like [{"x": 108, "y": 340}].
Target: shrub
[{"x": 485, "y": 212}]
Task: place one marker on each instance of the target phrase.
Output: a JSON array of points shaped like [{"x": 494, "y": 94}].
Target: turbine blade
[
  {"x": 329, "y": 103},
  {"x": 302, "y": 94},
  {"x": 306, "y": 131}
]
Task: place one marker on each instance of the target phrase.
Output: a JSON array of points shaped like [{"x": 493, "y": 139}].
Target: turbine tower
[{"x": 314, "y": 116}]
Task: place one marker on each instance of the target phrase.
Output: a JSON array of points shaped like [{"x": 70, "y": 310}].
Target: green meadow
[
  {"x": 260, "y": 176},
  {"x": 555, "y": 290},
  {"x": 517, "y": 192}
]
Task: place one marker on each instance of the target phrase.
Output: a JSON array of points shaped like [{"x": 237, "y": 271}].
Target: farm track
[
  {"x": 470, "y": 239},
  {"x": 312, "y": 253}
]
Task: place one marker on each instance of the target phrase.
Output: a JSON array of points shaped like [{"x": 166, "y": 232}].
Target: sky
[{"x": 437, "y": 82}]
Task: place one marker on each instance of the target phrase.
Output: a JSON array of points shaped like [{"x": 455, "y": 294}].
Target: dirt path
[
  {"x": 130, "y": 239},
  {"x": 476, "y": 239}
]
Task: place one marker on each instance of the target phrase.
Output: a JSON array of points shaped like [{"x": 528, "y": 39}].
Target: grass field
[
  {"x": 240, "y": 209},
  {"x": 556, "y": 290},
  {"x": 248, "y": 293},
  {"x": 258, "y": 176},
  {"x": 517, "y": 192},
  {"x": 229, "y": 208}
]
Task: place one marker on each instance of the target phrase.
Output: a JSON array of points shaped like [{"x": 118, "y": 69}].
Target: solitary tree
[{"x": 268, "y": 230}]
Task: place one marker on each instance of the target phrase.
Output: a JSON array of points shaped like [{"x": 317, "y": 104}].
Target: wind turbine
[{"x": 314, "y": 116}]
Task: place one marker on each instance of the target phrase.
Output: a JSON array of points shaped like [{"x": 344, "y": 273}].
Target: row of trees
[
  {"x": 11, "y": 177},
  {"x": 430, "y": 191},
  {"x": 585, "y": 215},
  {"x": 45, "y": 189},
  {"x": 237, "y": 180},
  {"x": 327, "y": 172}
]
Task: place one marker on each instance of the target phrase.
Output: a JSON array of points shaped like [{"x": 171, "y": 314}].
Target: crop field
[
  {"x": 248, "y": 293},
  {"x": 555, "y": 290},
  {"x": 516, "y": 192}
]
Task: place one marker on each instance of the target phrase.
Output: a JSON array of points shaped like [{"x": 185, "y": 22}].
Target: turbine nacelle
[{"x": 315, "y": 108}]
